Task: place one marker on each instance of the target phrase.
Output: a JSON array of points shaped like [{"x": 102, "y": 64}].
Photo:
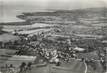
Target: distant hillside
[
  {"x": 91, "y": 21},
  {"x": 62, "y": 13}
]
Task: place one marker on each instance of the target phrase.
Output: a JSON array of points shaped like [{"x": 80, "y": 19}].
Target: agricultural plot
[
  {"x": 4, "y": 55},
  {"x": 8, "y": 37},
  {"x": 10, "y": 28},
  {"x": 34, "y": 32},
  {"x": 17, "y": 60}
]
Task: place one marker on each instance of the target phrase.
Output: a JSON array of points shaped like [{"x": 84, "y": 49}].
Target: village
[{"x": 49, "y": 44}]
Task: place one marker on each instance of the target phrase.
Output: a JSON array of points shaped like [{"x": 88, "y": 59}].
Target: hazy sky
[{"x": 51, "y": 4}]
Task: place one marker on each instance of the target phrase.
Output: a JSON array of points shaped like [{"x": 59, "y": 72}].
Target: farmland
[{"x": 60, "y": 30}]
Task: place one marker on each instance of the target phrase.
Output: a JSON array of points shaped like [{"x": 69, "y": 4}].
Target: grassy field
[
  {"x": 24, "y": 27},
  {"x": 4, "y": 55},
  {"x": 8, "y": 37}
]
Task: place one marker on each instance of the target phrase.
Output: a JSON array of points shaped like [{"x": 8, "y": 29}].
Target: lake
[{"x": 9, "y": 14}]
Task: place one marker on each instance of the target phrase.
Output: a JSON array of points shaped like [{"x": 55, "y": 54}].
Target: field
[
  {"x": 8, "y": 37},
  {"x": 4, "y": 55},
  {"x": 11, "y": 28}
]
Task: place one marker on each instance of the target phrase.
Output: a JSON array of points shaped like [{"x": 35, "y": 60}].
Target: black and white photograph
[{"x": 53, "y": 36}]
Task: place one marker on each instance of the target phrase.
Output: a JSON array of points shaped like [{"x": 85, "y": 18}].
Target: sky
[
  {"x": 51, "y": 4},
  {"x": 10, "y": 8}
]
